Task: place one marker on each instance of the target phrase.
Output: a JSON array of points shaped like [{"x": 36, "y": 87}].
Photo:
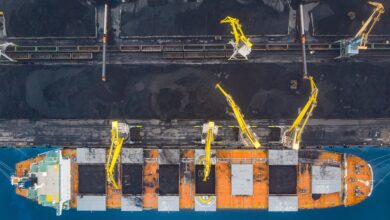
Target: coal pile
[
  {"x": 191, "y": 18},
  {"x": 335, "y": 17},
  {"x": 50, "y": 18},
  {"x": 347, "y": 90}
]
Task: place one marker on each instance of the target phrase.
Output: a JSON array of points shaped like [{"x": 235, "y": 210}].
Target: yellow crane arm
[
  {"x": 115, "y": 149},
  {"x": 296, "y": 129},
  {"x": 237, "y": 30},
  {"x": 245, "y": 129},
  {"x": 368, "y": 25},
  {"x": 207, "y": 149}
]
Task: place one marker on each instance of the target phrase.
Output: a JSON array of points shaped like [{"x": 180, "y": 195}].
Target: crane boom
[
  {"x": 292, "y": 137},
  {"x": 113, "y": 155},
  {"x": 351, "y": 47},
  {"x": 207, "y": 149},
  {"x": 246, "y": 131},
  {"x": 367, "y": 26},
  {"x": 241, "y": 44}
]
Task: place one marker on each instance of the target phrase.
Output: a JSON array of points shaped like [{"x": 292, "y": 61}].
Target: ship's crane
[
  {"x": 241, "y": 44},
  {"x": 351, "y": 47},
  {"x": 291, "y": 138},
  {"x": 246, "y": 132},
  {"x": 209, "y": 131},
  {"x": 118, "y": 133}
]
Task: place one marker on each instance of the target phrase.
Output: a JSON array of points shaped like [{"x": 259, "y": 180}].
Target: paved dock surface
[{"x": 187, "y": 133}]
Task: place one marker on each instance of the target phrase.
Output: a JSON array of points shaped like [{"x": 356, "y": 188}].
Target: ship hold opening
[
  {"x": 168, "y": 179},
  {"x": 202, "y": 187},
  {"x": 283, "y": 179},
  {"x": 92, "y": 179},
  {"x": 132, "y": 177}
]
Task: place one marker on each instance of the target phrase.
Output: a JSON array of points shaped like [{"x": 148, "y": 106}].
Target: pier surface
[{"x": 187, "y": 133}]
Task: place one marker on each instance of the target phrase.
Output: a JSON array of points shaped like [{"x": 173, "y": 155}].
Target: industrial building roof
[
  {"x": 325, "y": 179},
  {"x": 91, "y": 155},
  {"x": 205, "y": 203},
  {"x": 169, "y": 156},
  {"x": 131, "y": 203},
  {"x": 91, "y": 203},
  {"x": 132, "y": 155},
  {"x": 168, "y": 203},
  {"x": 282, "y": 203},
  {"x": 282, "y": 157},
  {"x": 242, "y": 179}
]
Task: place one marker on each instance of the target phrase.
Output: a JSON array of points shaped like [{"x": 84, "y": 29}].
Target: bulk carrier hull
[{"x": 172, "y": 180}]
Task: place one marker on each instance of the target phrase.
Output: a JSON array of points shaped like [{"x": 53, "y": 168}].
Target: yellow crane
[
  {"x": 292, "y": 137},
  {"x": 210, "y": 130},
  {"x": 241, "y": 44},
  {"x": 351, "y": 47},
  {"x": 114, "y": 153},
  {"x": 246, "y": 131}
]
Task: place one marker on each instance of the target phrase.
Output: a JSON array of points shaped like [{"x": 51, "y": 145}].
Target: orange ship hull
[{"x": 241, "y": 179}]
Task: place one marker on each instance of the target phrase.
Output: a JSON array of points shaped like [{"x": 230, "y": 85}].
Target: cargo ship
[{"x": 172, "y": 180}]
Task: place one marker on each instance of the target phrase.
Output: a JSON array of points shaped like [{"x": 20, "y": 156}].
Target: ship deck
[{"x": 159, "y": 183}]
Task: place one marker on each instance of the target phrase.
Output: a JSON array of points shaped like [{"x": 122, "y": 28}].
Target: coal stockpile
[
  {"x": 92, "y": 179},
  {"x": 132, "y": 178},
  {"x": 168, "y": 180},
  {"x": 162, "y": 17},
  {"x": 204, "y": 187},
  {"x": 346, "y": 90},
  {"x": 50, "y": 18},
  {"x": 282, "y": 179},
  {"x": 335, "y": 17}
]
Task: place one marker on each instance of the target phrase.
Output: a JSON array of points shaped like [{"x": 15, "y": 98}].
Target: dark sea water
[{"x": 375, "y": 207}]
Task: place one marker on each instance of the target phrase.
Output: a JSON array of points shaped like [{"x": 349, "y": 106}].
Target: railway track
[{"x": 180, "y": 52}]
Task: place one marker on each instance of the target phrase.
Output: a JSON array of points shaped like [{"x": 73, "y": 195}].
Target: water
[{"x": 375, "y": 207}]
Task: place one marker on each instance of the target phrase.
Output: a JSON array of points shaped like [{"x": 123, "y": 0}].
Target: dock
[{"x": 187, "y": 133}]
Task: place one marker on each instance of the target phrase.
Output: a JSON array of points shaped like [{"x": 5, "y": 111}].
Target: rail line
[{"x": 173, "y": 51}]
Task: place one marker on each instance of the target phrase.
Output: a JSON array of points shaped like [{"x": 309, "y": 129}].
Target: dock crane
[
  {"x": 351, "y": 47},
  {"x": 241, "y": 44},
  {"x": 3, "y": 48},
  {"x": 209, "y": 130},
  {"x": 246, "y": 132},
  {"x": 118, "y": 133},
  {"x": 291, "y": 138}
]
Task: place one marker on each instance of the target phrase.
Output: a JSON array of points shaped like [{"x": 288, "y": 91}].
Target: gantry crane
[
  {"x": 246, "y": 132},
  {"x": 241, "y": 44},
  {"x": 351, "y": 47},
  {"x": 118, "y": 133},
  {"x": 209, "y": 130},
  {"x": 291, "y": 138}
]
